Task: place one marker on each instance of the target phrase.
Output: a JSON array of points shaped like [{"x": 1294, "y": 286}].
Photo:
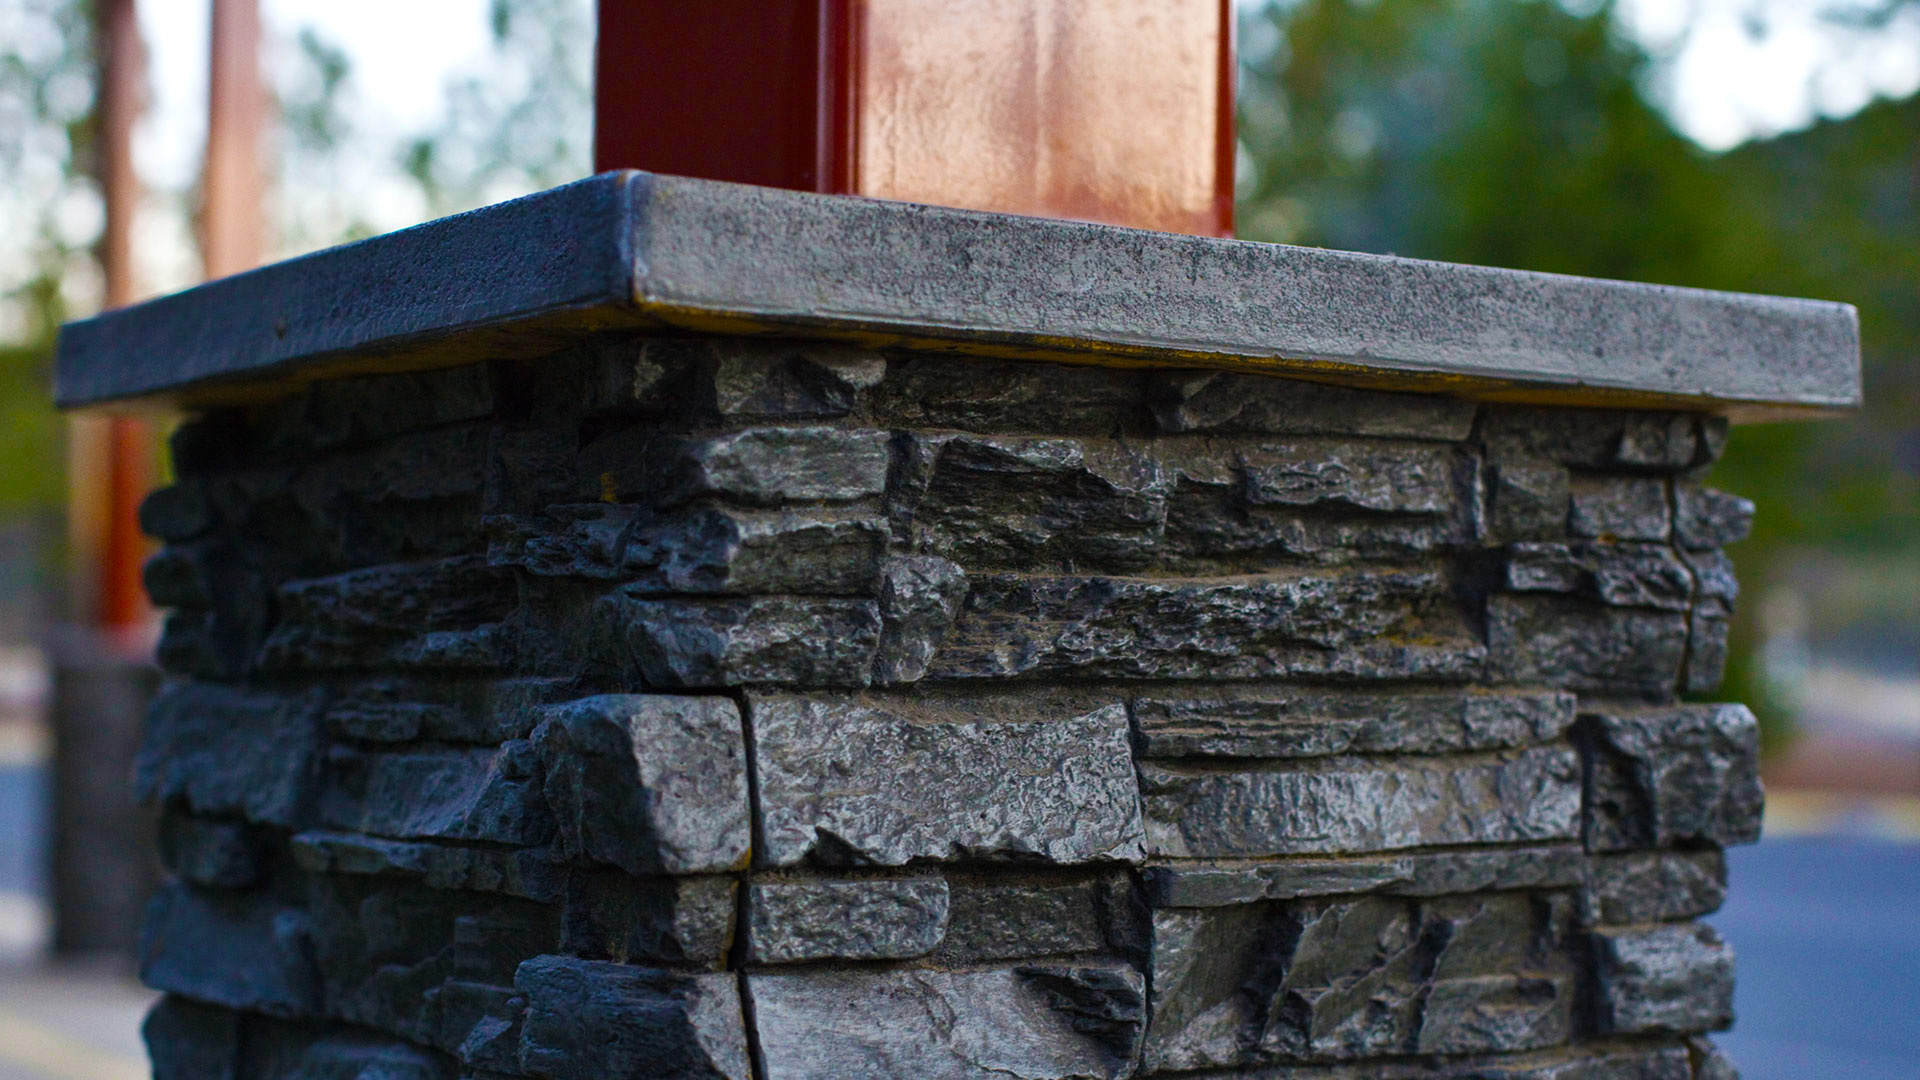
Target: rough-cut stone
[
  {"x": 1443, "y": 873},
  {"x": 859, "y": 919},
  {"x": 528, "y": 873},
  {"x": 1354, "y": 978},
  {"x": 781, "y": 640},
  {"x": 1437, "y": 873},
  {"x": 1352, "y": 623},
  {"x": 336, "y": 412},
  {"x": 1673, "y": 776},
  {"x": 1619, "y": 508},
  {"x": 1577, "y": 644},
  {"x": 187, "y": 1040},
  {"x": 1001, "y": 396},
  {"x": 442, "y": 614},
  {"x": 994, "y": 503},
  {"x": 588, "y": 1020},
  {"x": 650, "y": 783},
  {"x": 1708, "y": 1062},
  {"x": 1219, "y": 401},
  {"x": 990, "y": 918},
  {"x": 220, "y": 750},
  {"x": 475, "y": 1022},
  {"x": 1362, "y": 804},
  {"x": 684, "y": 920},
  {"x": 790, "y": 380},
  {"x": 1591, "y": 438},
  {"x": 1286, "y": 722},
  {"x": 1657, "y": 886},
  {"x": 1529, "y": 500},
  {"x": 219, "y": 853},
  {"x": 177, "y": 512},
  {"x": 439, "y": 793},
  {"x": 1032, "y": 1023},
  {"x": 760, "y": 467},
  {"x": 240, "y": 950},
  {"x": 1619, "y": 575},
  {"x": 1705, "y": 519},
  {"x": 698, "y": 550},
  {"x": 1662, "y": 979},
  {"x": 398, "y": 710},
  {"x": 287, "y": 1051},
  {"x": 920, "y": 595},
  {"x": 846, "y": 784}
]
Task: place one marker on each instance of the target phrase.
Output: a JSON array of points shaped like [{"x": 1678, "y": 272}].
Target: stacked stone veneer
[{"x": 688, "y": 707}]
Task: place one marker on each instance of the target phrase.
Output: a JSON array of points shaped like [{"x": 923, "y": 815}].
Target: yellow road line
[{"x": 59, "y": 1057}]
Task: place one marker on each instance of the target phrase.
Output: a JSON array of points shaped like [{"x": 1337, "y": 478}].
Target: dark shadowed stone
[
  {"x": 240, "y": 950},
  {"x": 1002, "y": 502},
  {"x": 1354, "y": 623},
  {"x": 187, "y": 1040},
  {"x": 769, "y": 466},
  {"x": 1662, "y": 980},
  {"x": 225, "y": 751},
  {"x": 177, "y": 512},
  {"x": 1342, "y": 805},
  {"x": 1443, "y": 873},
  {"x": 1705, "y": 519},
  {"x": 1591, "y": 438},
  {"x": 688, "y": 644},
  {"x": 222, "y": 853},
  {"x": 434, "y": 614},
  {"x": 1715, "y": 590},
  {"x": 395, "y": 710},
  {"x": 703, "y": 549},
  {"x": 650, "y": 783},
  {"x": 1529, "y": 500},
  {"x": 179, "y": 576},
  {"x": 683, "y": 920},
  {"x": 1708, "y": 1062},
  {"x": 1355, "y": 978},
  {"x": 440, "y": 793},
  {"x": 845, "y": 784},
  {"x": 1666, "y": 777},
  {"x": 790, "y": 380},
  {"x": 1619, "y": 508},
  {"x": 281, "y": 1051},
  {"x": 1657, "y": 886},
  {"x": 336, "y": 412},
  {"x": 532, "y": 468},
  {"x": 1436, "y": 873},
  {"x": 976, "y": 393},
  {"x": 527, "y": 873},
  {"x": 1218, "y": 401},
  {"x": 1580, "y": 645},
  {"x": 1619, "y": 575},
  {"x": 414, "y": 496},
  {"x": 860, "y": 919},
  {"x": 991, "y": 918},
  {"x": 1284, "y": 722},
  {"x": 475, "y": 1022},
  {"x": 1586, "y": 1061},
  {"x": 920, "y": 595},
  {"x": 1031, "y": 1023},
  {"x": 588, "y": 1020}
]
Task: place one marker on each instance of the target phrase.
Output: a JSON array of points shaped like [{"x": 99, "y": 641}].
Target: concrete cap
[{"x": 635, "y": 250}]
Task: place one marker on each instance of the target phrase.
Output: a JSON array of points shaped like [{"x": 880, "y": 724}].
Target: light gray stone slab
[
  {"x": 1662, "y": 980},
  {"x": 860, "y": 919},
  {"x": 640, "y": 249},
  {"x": 844, "y": 783}
]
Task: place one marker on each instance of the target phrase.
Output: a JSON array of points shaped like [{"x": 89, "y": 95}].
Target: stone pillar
[{"x": 648, "y": 701}]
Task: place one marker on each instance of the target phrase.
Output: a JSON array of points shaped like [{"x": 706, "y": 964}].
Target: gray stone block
[
  {"x": 528, "y": 873},
  {"x": 1591, "y": 438},
  {"x": 790, "y": 380},
  {"x": 1287, "y": 722},
  {"x": 1418, "y": 874},
  {"x": 589, "y": 1021},
  {"x": 480, "y": 711},
  {"x": 438, "y": 793},
  {"x": 240, "y": 950},
  {"x": 1705, "y": 519},
  {"x": 440, "y": 614},
  {"x": 780, "y": 640},
  {"x": 1035, "y": 1022},
  {"x": 1529, "y": 500},
  {"x": 763, "y": 467},
  {"x": 1007, "y": 396},
  {"x": 649, "y": 783},
  {"x": 841, "y": 783},
  {"x": 475, "y": 1022},
  {"x": 1344, "y": 805},
  {"x": 331, "y": 413},
  {"x": 1672, "y": 979},
  {"x": 1619, "y": 508},
  {"x": 920, "y": 596},
  {"x": 1655, "y": 886},
  {"x": 1666, "y": 777},
  {"x": 226, "y": 854},
  {"x": 859, "y": 919},
  {"x": 1218, "y": 401},
  {"x": 228, "y": 751},
  {"x": 991, "y": 918},
  {"x": 1618, "y": 575},
  {"x": 658, "y": 920},
  {"x": 187, "y": 1040},
  {"x": 698, "y": 550},
  {"x": 1580, "y": 645},
  {"x": 1359, "y": 623}
]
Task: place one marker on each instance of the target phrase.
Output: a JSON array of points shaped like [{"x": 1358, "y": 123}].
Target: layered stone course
[{"x": 700, "y": 707}]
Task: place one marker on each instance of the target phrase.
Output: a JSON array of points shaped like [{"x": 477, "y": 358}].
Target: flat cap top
[{"x": 636, "y": 250}]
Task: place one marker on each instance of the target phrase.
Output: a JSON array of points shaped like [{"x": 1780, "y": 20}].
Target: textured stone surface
[
  {"x": 919, "y": 598},
  {"x": 1641, "y": 887},
  {"x": 691, "y": 644},
  {"x": 1349, "y": 804},
  {"x": 226, "y": 750},
  {"x": 1529, "y": 500},
  {"x": 1705, "y": 519},
  {"x": 1218, "y": 884},
  {"x": 1223, "y": 402},
  {"x": 1580, "y": 645},
  {"x": 1662, "y": 777},
  {"x": 523, "y": 872},
  {"x": 1619, "y": 575},
  {"x": 1287, "y": 722},
  {"x": 438, "y": 793},
  {"x": 650, "y": 783},
  {"x": 1038, "y": 1022},
  {"x": 992, "y": 918},
  {"x": 222, "y": 853},
  {"x": 845, "y": 784},
  {"x": 237, "y": 950},
  {"x": 763, "y": 467},
  {"x": 1619, "y": 508},
  {"x": 1674, "y": 978},
  {"x": 860, "y": 919},
  {"x": 678, "y": 920},
  {"x": 588, "y": 1021}
]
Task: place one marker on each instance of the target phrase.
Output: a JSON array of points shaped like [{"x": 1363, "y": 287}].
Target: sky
[{"x": 1721, "y": 82}]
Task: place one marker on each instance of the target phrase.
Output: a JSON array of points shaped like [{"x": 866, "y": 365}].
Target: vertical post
[{"x": 231, "y": 230}]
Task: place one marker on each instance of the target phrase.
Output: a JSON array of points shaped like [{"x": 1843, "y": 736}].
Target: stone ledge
[{"x": 632, "y": 249}]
